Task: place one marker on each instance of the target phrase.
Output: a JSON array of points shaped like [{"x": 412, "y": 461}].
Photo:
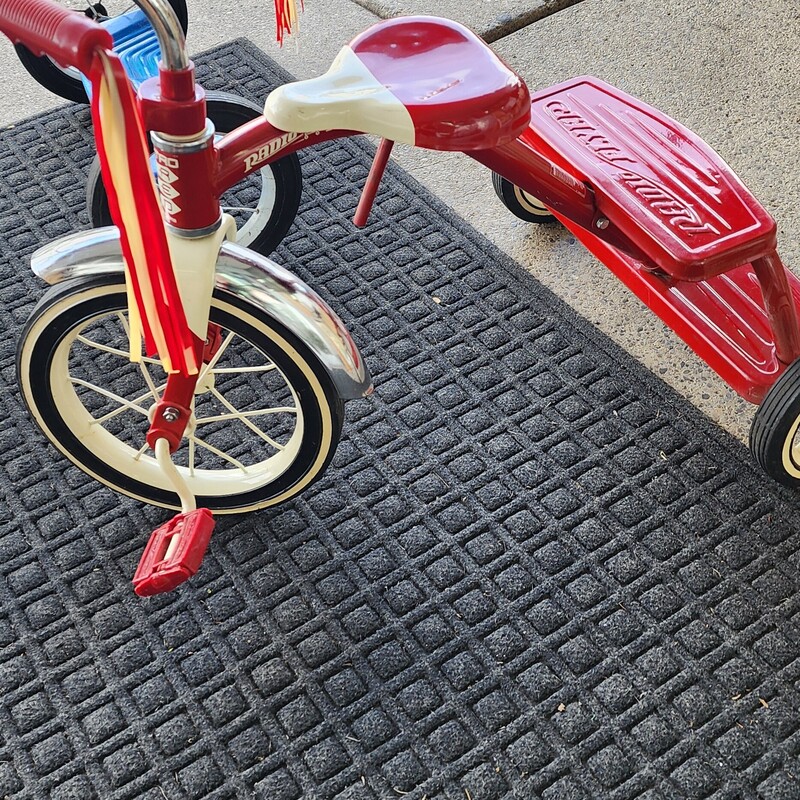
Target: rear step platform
[
  {"x": 677, "y": 200},
  {"x": 654, "y": 179}
]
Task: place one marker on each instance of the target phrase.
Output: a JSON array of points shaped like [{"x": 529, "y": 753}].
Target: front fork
[
  {"x": 185, "y": 163},
  {"x": 175, "y": 107},
  {"x": 175, "y": 549}
]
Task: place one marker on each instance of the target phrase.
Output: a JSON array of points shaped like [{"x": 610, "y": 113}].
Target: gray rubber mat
[{"x": 532, "y": 571}]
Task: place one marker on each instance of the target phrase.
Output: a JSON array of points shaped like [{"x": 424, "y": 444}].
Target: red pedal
[{"x": 174, "y": 552}]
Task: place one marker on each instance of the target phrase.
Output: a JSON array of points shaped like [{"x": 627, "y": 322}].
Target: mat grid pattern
[{"x": 532, "y": 570}]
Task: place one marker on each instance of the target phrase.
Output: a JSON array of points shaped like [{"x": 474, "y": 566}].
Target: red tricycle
[{"x": 255, "y": 414}]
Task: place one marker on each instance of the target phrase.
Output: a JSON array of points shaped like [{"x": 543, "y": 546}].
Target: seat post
[{"x": 373, "y": 181}]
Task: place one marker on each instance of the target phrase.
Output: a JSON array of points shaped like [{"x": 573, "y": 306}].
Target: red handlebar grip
[{"x": 47, "y": 28}]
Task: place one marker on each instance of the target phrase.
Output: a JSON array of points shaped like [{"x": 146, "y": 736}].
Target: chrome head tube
[{"x": 169, "y": 32}]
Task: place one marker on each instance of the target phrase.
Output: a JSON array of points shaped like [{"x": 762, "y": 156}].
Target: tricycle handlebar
[{"x": 47, "y": 28}]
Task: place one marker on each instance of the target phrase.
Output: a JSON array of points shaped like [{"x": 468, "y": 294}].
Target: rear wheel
[
  {"x": 775, "y": 433},
  {"x": 264, "y": 205},
  {"x": 266, "y": 418},
  {"x": 66, "y": 82},
  {"x": 521, "y": 204}
]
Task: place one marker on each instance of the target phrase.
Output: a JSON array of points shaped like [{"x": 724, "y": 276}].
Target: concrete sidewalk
[{"x": 728, "y": 69}]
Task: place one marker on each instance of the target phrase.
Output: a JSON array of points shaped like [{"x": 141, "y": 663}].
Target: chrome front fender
[{"x": 243, "y": 273}]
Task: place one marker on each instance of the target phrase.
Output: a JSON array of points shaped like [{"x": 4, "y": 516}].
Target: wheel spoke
[
  {"x": 244, "y": 209},
  {"x": 142, "y": 361},
  {"x": 135, "y": 402},
  {"x": 110, "y": 395},
  {"x": 217, "y": 452},
  {"x": 237, "y": 415},
  {"x": 154, "y": 390},
  {"x": 242, "y": 414},
  {"x": 216, "y": 357},
  {"x": 114, "y": 351}
]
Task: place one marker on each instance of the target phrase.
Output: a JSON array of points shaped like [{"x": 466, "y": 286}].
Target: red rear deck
[
  {"x": 683, "y": 207},
  {"x": 655, "y": 180}
]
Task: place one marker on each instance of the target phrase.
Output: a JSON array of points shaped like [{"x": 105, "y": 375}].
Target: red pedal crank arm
[{"x": 47, "y": 28}]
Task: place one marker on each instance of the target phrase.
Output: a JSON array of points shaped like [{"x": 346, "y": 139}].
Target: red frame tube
[
  {"x": 780, "y": 305},
  {"x": 373, "y": 182},
  {"x": 200, "y": 178},
  {"x": 257, "y": 143},
  {"x": 539, "y": 176}
]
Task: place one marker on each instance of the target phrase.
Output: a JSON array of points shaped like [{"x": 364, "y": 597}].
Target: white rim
[
  {"x": 530, "y": 203},
  {"x": 242, "y": 473},
  {"x": 790, "y": 455},
  {"x": 260, "y": 214}
]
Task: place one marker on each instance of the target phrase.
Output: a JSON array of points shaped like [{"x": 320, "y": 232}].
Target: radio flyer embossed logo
[
  {"x": 268, "y": 150},
  {"x": 658, "y": 197}
]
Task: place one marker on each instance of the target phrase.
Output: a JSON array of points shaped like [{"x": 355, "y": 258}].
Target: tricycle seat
[
  {"x": 657, "y": 182},
  {"x": 420, "y": 80}
]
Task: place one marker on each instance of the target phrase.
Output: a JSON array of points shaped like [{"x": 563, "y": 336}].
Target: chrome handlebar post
[{"x": 169, "y": 32}]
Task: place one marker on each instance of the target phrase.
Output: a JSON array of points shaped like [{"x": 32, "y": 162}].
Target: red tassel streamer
[
  {"x": 181, "y": 343},
  {"x": 286, "y": 18}
]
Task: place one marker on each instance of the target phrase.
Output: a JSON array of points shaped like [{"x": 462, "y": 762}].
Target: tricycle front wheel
[
  {"x": 775, "y": 433},
  {"x": 266, "y": 417}
]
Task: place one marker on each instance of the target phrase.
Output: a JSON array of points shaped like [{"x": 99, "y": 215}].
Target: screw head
[
  {"x": 602, "y": 223},
  {"x": 170, "y": 414}
]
